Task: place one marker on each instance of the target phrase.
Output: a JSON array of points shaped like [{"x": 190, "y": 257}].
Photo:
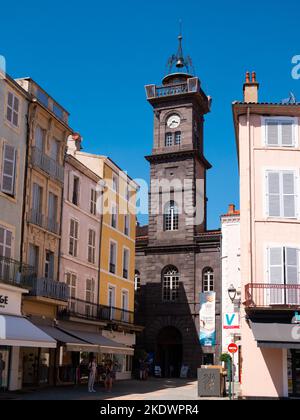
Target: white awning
[
  {"x": 71, "y": 343},
  {"x": 18, "y": 331}
]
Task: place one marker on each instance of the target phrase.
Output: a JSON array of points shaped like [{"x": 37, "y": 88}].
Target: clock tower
[{"x": 175, "y": 249}]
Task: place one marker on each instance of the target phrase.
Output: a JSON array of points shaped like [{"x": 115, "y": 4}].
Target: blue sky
[{"x": 95, "y": 57}]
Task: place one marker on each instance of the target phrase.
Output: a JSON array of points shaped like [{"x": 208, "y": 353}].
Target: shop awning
[
  {"x": 283, "y": 336},
  {"x": 18, "y": 331},
  {"x": 72, "y": 343},
  {"x": 104, "y": 344}
]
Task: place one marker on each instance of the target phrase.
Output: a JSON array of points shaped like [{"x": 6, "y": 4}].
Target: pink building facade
[{"x": 269, "y": 163}]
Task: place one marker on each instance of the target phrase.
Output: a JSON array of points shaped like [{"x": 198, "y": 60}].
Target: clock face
[{"x": 173, "y": 121}]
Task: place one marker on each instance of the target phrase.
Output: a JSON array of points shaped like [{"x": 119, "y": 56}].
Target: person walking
[
  {"x": 92, "y": 374},
  {"x": 2, "y": 368},
  {"x": 109, "y": 376}
]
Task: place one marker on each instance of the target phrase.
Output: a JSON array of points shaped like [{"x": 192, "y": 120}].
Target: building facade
[
  {"x": 231, "y": 283},
  {"x": 177, "y": 259},
  {"x": 267, "y": 137}
]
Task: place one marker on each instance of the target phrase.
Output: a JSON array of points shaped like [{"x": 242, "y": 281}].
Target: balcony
[
  {"x": 272, "y": 296},
  {"x": 48, "y": 165},
  {"x": 51, "y": 289},
  {"x": 16, "y": 274},
  {"x": 36, "y": 218},
  {"x": 94, "y": 312},
  {"x": 192, "y": 85}
]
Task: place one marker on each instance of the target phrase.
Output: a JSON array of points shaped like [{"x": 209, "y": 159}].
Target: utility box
[{"x": 209, "y": 382}]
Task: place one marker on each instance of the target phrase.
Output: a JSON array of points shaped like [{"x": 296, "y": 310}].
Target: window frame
[
  {"x": 280, "y": 121},
  {"x": 171, "y": 218},
  {"x": 12, "y": 191},
  {"x": 125, "y": 270},
  {"x": 170, "y": 275},
  {"x": 12, "y": 109},
  {"x": 91, "y": 246},
  {"x": 93, "y": 202},
  {"x": 110, "y": 263},
  {"x": 210, "y": 280},
  {"x": 74, "y": 238}
]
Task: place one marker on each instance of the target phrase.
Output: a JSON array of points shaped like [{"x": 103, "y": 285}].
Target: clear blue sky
[{"x": 95, "y": 57}]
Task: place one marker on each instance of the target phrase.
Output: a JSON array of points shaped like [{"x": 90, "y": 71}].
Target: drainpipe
[{"x": 250, "y": 193}]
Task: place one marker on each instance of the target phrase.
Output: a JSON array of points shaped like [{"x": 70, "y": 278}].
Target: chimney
[
  {"x": 231, "y": 209},
  {"x": 251, "y": 87},
  {"x": 74, "y": 143}
]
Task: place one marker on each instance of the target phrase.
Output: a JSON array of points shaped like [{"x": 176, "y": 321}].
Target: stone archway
[{"x": 169, "y": 351}]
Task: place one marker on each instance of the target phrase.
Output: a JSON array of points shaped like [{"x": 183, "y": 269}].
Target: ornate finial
[{"x": 178, "y": 60}]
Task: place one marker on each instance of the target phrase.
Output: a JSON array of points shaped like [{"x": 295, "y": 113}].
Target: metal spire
[{"x": 178, "y": 60}]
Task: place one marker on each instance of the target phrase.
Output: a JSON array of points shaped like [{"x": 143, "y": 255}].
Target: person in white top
[{"x": 92, "y": 374}]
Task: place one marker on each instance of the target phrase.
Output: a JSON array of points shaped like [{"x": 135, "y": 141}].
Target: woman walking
[
  {"x": 109, "y": 376},
  {"x": 92, "y": 374}
]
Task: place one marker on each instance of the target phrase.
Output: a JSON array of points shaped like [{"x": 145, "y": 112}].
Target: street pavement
[{"x": 152, "y": 389}]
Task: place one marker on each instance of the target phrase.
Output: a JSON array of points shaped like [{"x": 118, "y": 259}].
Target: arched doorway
[{"x": 169, "y": 352}]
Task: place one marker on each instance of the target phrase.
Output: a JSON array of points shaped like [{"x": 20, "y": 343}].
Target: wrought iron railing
[
  {"x": 47, "y": 164},
  {"x": 51, "y": 289},
  {"x": 263, "y": 295},
  {"x": 171, "y": 90},
  {"x": 36, "y": 218},
  {"x": 92, "y": 311},
  {"x": 15, "y": 273}
]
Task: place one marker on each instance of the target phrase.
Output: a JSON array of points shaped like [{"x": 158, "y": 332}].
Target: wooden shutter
[
  {"x": 8, "y": 169},
  {"x": 287, "y": 133},
  {"x": 273, "y": 194},
  {"x": 272, "y": 133},
  {"x": 289, "y": 194},
  {"x": 292, "y": 265}
]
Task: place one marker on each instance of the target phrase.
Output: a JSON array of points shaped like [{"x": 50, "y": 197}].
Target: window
[
  {"x": 37, "y": 205},
  {"x": 126, "y": 224},
  {"x": 111, "y": 301},
  {"x": 170, "y": 284},
  {"x": 93, "y": 202},
  {"x": 52, "y": 213},
  {"x": 91, "y": 246},
  {"x": 125, "y": 305},
  {"x": 125, "y": 263},
  {"x": 34, "y": 257},
  {"x": 127, "y": 192},
  {"x": 40, "y": 135},
  {"x": 171, "y": 217},
  {"x": 112, "y": 257},
  {"x": 169, "y": 140},
  {"x": 54, "y": 151},
  {"x": 178, "y": 137},
  {"x": 42, "y": 97},
  {"x": 49, "y": 265},
  {"x": 281, "y": 194},
  {"x": 281, "y": 132},
  {"x": 115, "y": 182},
  {"x": 114, "y": 216},
  {"x": 75, "y": 195},
  {"x": 137, "y": 281},
  {"x": 12, "y": 110},
  {"x": 89, "y": 296},
  {"x": 283, "y": 269},
  {"x": 71, "y": 280},
  {"x": 5, "y": 242},
  {"x": 8, "y": 170},
  {"x": 73, "y": 240},
  {"x": 208, "y": 280}
]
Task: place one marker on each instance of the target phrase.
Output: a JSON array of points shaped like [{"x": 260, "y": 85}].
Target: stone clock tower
[{"x": 175, "y": 253}]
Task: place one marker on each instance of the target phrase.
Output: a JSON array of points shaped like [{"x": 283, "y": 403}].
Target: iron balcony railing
[
  {"x": 92, "y": 311},
  {"x": 35, "y": 217},
  {"x": 48, "y": 288},
  {"x": 47, "y": 164},
  {"x": 273, "y": 296},
  {"x": 192, "y": 85},
  {"x": 15, "y": 273}
]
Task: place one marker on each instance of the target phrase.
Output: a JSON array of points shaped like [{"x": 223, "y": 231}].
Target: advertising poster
[{"x": 207, "y": 318}]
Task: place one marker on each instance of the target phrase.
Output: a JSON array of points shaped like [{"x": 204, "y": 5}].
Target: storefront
[{"x": 24, "y": 348}]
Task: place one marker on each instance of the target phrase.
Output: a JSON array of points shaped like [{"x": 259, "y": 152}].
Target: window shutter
[
  {"x": 292, "y": 266},
  {"x": 289, "y": 194},
  {"x": 273, "y": 194},
  {"x": 276, "y": 266},
  {"x": 9, "y": 169},
  {"x": 272, "y": 133},
  {"x": 287, "y": 134}
]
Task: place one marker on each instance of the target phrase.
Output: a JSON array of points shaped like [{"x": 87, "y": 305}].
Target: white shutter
[
  {"x": 289, "y": 194},
  {"x": 273, "y": 194},
  {"x": 8, "y": 169},
  {"x": 272, "y": 133},
  {"x": 276, "y": 276},
  {"x": 287, "y": 138},
  {"x": 292, "y": 275}
]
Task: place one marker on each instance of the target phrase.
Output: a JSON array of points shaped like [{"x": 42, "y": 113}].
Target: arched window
[
  {"x": 137, "y": 281},
  {"x": 169, "y": 140},
  {"x": 178, "y": 137},
  {"x": 208, "y": 280},
  {"x": 170, "y": 284},
  {"x": 171, "y": 216}
]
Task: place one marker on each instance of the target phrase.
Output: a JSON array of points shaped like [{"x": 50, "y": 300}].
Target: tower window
[
  {"x": 208, "y": 280},
  {"x": 178, "y": 137},
  {"x": 169, "y": 140},
  {"x": 171, "y": 217},
  {"x": 170, "y": 284}
]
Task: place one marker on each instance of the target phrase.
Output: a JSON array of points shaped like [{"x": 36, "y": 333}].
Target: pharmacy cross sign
[{"x": 232, "y": 348}]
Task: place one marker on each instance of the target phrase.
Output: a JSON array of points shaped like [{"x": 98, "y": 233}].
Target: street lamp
[{"x": 232, "y": 293}]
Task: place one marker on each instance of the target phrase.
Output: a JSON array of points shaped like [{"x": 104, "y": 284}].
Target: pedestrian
[
  {"x": 109, "y": 376},
  {"x": 142, "y": 369},
  {"x": 2, "y": 368},
  {"x": 92, "y": 374}
]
